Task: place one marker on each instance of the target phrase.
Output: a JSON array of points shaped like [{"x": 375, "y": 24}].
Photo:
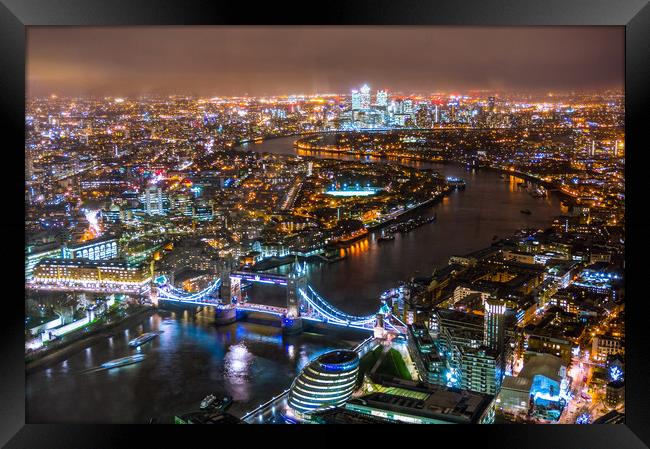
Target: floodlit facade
[{"x": 326, "y": 382}]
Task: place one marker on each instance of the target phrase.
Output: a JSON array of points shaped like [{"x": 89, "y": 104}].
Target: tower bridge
[{"x": 302, "y": 301}]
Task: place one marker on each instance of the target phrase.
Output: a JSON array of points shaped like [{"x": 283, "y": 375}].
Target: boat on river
[
  {"x": 142, "y": 339},
  {"x": 211, "y": 402},
  {"x": 123, "y": 361}
]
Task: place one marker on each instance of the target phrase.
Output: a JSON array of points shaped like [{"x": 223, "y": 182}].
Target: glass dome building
[{"x": 327, "y": 381}]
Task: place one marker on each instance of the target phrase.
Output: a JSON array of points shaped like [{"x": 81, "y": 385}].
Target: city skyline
[
  {"x": 258, "y": 61},
  {"x": 202, "y": 214}
]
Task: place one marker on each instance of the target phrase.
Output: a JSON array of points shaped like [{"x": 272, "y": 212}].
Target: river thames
[
  {"x": 252, "y": 362},
  {"x": 466, "y": 221}
]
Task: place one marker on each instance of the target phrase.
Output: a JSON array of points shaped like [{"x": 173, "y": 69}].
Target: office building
[
  {"x": 102, "y": 248},
  {"x": 361, "y": 99},
  {"x": 327, "y": 381},
  {"x": 481, "y": 370},
  {"x": 429, "y": 363},
  {"x": 476, "y": 349},
  {"x": 382, "y": 98},
  {"x": 364, "y": 98},
  {"x": 356, "y": 100},
  {"x": 407, "y": 107},
  {"x": 412, "y": 402},
  {"x": 152, "y": 201},
  {"x": 85, "y": 274},
  {"x": 494, "y": 331}
]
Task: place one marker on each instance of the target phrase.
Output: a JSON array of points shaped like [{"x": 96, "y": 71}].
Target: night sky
[{"x": 210, "y": 61}]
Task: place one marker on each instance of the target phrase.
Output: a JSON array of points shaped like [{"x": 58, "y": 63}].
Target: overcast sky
[{"x": 124, "y": 61}]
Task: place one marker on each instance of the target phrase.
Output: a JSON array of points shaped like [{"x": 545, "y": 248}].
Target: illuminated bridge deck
[{"x": 265, "y": 278}]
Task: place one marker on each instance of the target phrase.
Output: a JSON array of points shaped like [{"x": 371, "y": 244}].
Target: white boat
[
  {"x": 142, "y": 339},
  {"x": 124, "y": 361}
]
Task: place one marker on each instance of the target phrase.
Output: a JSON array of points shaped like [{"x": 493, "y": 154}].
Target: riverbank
[
  {"x": 311, "y": 133},
  {"x": 413, "y": 158},
  {"x": 82, "y": 341},
  {"x": 362, "y": 154}
]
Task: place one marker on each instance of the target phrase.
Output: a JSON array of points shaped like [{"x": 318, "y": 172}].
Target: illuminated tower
[
  {"x": 356, "y": 100},
  {"x": 379, "y": 330},
  {"x": 382, "y": 98},
  {"x": 365, "y": 97},
  {"x": 494, "y": 324},
  {"x": 153, "y": 201},
  {"x": 296, "y": 281},
  {"x": 407, "y": 106}
]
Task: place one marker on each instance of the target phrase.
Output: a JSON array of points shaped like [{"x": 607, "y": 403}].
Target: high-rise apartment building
[{"x": 494, "y": 324}]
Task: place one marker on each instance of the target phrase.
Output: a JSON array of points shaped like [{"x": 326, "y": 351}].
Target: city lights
[{"x": 467, "y": 244}]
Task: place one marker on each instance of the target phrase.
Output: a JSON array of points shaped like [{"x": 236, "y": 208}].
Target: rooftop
[
  {"x": 338, "y": 357},
  {"x": 426, "y": 400}
]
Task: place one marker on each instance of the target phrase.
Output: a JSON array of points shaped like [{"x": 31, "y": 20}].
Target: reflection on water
[
  {"x": 190, "y": 359},
  {"x": 466, "y": 221}
]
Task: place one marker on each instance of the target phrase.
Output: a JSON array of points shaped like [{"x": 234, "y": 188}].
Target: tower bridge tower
[
  {"x": 296, "y": 280},
  {"x": 230, "y": 290}
]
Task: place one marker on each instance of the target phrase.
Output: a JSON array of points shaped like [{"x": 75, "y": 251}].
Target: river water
[
  {"x": 188, "y": 360},
  {"x": 252, "y": 362},
  {"x": 467, "y": 220}
]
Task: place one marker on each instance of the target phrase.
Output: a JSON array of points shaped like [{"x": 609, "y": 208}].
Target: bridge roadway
[
  {"x": 250, "y": 307},
  {"x": 265, "y": 278},
  {"x": 267, "y": 411},
  {"x": 317, "y": 308}
]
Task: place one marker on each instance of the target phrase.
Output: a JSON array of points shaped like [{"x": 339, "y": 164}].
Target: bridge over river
[{"x": 302, "y": 302}]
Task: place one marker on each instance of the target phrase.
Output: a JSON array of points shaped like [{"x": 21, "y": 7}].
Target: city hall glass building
[{"x": 327, "y": 381}]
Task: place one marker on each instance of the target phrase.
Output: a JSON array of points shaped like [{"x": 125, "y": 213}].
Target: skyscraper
[
  {"x": 365, "y": 97},
  {"x": 494, "y": 324},
  {"x": 356, "y": 100},
  {"x": 407, "y": 106},
  {"x": 382, "y": 98},
  {"x": 153, "y": 200}
]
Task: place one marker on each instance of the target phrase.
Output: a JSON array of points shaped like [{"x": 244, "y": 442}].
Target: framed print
[{"x": 384, "y": 213}]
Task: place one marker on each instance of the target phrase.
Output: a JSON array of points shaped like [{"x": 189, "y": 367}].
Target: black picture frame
[{"x": 16, "y": 15}]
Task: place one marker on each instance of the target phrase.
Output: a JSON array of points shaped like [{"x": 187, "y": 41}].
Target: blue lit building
[
  {"x": 327, "y": 381},
  {"x": 541, "y": 387}
]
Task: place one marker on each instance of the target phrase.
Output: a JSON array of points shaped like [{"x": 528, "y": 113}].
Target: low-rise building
[
  {"x": 542, "y": 382},
  {"x": 419, "y": 403},
  {"x": 604, "y": 345}
]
